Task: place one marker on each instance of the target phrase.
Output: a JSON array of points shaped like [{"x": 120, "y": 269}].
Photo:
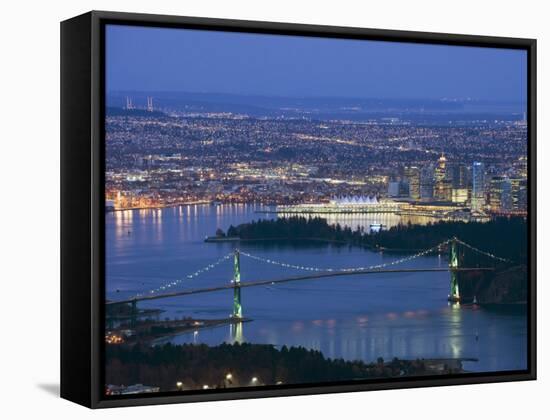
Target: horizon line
[{"x": 263, "y": 95}]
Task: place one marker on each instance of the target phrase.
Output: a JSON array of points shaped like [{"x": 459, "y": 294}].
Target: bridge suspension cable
[
  {"x": 349, "y": 269},
  {"x": 195, "y": 274},
  {"x": 479, "y": 251},
  {"x": 208, "y": 267}
]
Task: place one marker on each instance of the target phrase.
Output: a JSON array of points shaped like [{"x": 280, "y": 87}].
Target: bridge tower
[
  {"x": 454, "y": 263},
  {"x": 237, "y": 307}
]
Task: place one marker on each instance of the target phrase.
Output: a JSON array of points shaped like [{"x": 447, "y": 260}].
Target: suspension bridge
[{"x": 484, "y": 261}]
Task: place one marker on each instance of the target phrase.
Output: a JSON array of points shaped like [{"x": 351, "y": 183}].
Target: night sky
[{"x": 160, "y": 59}]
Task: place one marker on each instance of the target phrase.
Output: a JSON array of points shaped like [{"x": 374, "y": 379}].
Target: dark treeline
[
  {"x": 291, "y": 228},
  {"x": 505, "y": 237},
  {"x": 198, "y": 365}
]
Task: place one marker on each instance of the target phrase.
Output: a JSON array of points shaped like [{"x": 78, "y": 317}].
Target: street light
[
  {"x": 179, "y": 385},
  {"x": 228, "y": 376},
  {"x": 205, "y": 387},
  {"x": 254, "y": 381}
]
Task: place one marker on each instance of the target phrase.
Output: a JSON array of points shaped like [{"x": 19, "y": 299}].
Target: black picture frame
[{"x": 82, "y": 205}]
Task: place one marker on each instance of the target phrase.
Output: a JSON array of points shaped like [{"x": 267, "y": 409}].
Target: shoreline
[
  {"x": 166, "y": 206},
  {"x": 150, "y": 331},
  {"x": 211, "y": 239}
]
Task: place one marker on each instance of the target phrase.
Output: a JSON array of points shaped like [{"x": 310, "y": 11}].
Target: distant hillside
[{"x": 428, "y": 110}]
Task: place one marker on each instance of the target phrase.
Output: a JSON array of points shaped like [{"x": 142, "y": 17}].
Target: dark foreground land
[{"x": 250, "y": 365}]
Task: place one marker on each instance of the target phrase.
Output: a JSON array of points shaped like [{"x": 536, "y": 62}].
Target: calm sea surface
[{"x": 403, "y": 315}]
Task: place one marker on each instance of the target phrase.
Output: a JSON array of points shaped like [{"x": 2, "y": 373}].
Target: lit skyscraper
[
  {"x": 478, "y": 186},
  {"x": 442, "y": 187},
  {"x": 441, "y": 169}
]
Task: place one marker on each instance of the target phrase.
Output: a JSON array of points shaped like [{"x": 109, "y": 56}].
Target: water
[{"x": 403, "y": 315}]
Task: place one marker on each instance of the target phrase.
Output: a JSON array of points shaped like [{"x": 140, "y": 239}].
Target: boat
[{"x": 377, "y": 226}]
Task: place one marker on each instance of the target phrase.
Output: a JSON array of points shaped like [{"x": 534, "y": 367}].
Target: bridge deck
[{"x": 317, "y": 276}]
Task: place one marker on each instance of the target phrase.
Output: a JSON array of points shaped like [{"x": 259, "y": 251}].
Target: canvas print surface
[{"x": 285, "y": 210}]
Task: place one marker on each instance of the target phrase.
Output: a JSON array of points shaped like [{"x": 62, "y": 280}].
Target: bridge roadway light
[
  {"x": 229, "y": 376},
  {"x": 179, "y": 385}
]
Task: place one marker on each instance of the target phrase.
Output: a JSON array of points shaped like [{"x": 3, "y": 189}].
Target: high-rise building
[
  {"x": 519, "y": 194},
  {"x": 478, "y": 186},
  {"x": 393, "y": 189},
  {"x": 522, "y": 199},
  {"x": 412, "y": 177},
  {"x": 500, "y": 194},
  {"x": 459, "y": 176},
  {"x": 441, "y": 169},
  {"x": 506, "y": 196},
  {"x": 443, "y": 190},
  {"x": 427, "y": 182},
  {"x": 442, "y": 185},
  {"x": 522, "y": 167},
  {"x": 398, "y": 189}
]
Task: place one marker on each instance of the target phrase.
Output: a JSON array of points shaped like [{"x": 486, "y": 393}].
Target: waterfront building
[
  {"x": 478, "y": 186},
  {"x": 346, "y": 204},
  {"x": 459, "y": 195},
  {"x": 357, "y": 200}
]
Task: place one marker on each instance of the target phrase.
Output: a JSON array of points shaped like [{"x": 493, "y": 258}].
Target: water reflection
[
  {"x": 369, "y": 222},
  {"x": 236, "y": 332},
  {"x": 123, "y": 223},
  {"x": 456, "y": 341}
]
